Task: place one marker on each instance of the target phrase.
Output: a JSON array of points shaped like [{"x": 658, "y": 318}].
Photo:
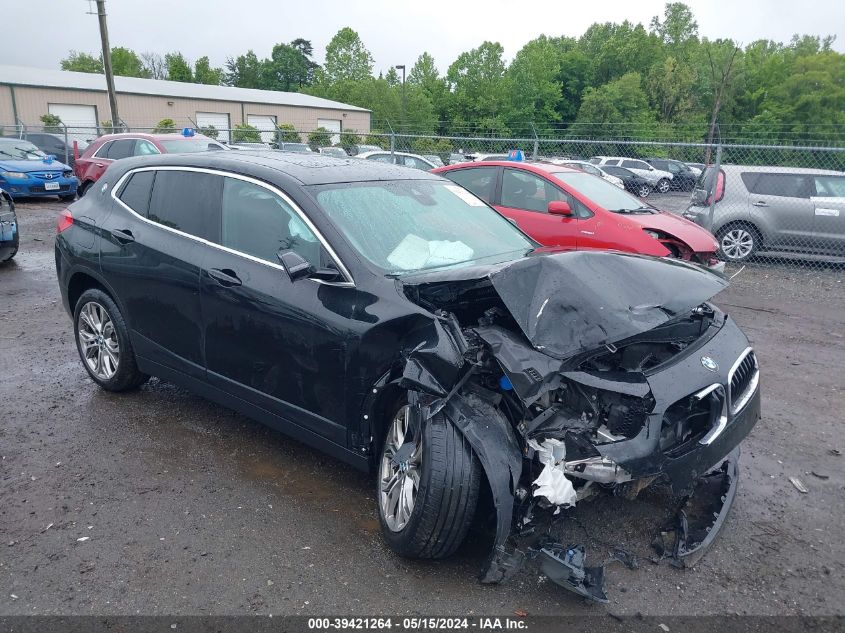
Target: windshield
[
  {"x": 20, "y": 150},
  {"x": 602, "y": 192},
  {"x": 190, "y": 146},
  {"x": 333, "y": 151},
  {"x": 295, "y": 147},
  {"x": 409, "y": 225}
]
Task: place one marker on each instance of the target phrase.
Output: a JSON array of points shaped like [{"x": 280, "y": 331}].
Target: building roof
[{"x": 49, "y": 78}]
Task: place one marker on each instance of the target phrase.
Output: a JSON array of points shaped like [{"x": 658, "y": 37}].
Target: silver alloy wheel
[
  {"x": 644, "y": 191},
  {"x": 737, "y": 243},
  {"x": 664, "y": 185},
  {"x": 98, "y": 340},
  {"x": 399, "y": 472}
]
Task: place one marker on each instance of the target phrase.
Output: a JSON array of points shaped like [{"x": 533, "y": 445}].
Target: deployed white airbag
[
  {"x": 552, "y": 482},
  {"x": 414, "y": 253}
]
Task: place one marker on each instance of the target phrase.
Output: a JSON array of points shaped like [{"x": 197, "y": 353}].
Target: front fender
[{"x": 494, "y": 442}]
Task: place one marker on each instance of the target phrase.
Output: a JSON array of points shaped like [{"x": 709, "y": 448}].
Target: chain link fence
[{"x": 767, "y": 204}]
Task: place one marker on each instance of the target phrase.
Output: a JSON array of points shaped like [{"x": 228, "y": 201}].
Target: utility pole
[
  {"x": 404, "y": 106},
  {"x": 104, "y": 37}
]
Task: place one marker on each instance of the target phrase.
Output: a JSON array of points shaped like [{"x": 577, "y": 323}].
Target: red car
[
  {"x": 565, "y": 207},
  {"x": 111, "y": 147}
]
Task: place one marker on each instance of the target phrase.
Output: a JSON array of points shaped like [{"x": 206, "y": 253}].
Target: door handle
[
  {"x": 99, "y": 164},
  {"x": 588, "y": 232},
  {"x": 760, "y": 203},
  {"x": 225, "y": 277},
  {"x": 124, "y": 236}
]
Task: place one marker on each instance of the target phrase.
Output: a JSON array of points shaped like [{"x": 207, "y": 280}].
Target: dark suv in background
[
  {"x": 55, "y": 144},
  {"x": 683, "y": 177}
]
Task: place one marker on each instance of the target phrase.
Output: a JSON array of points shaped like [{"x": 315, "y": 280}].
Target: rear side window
[
  {"x": 136, "y": 192},
  {"x": 123, "y": 148},
  {"x": 634, "y": 164},
  {"x": 479, "y": 180},
  {"x": 382, "y": 158},
  {"x": 188, "y": 201},
  {"x": 416, "y": 163},
  {"x": 783, "y": 185},
  {"x": 612, "y": 161},
  {"x": 830, "y": 186}
]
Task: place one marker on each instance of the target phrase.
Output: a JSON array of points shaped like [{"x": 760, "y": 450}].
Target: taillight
[
  {"x": 718, "y": 191},
  {"x": 65, "y": 221}
]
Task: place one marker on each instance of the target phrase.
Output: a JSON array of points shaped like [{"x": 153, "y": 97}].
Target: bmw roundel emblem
[{"x": 709, "y": 363}]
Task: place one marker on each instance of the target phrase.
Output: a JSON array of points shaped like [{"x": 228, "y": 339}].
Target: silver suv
[
  {"x": 784, "y": 209},
  {"x": 657, "y": 178}
]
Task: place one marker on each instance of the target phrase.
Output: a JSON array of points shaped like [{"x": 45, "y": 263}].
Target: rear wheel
[
  {"x": 643, "y": 191},
  {"x": 68, "y": 198},
  {"x": 663, "y": 185},
  {"x": 85, "y": 186},
  {"x": 738, "y": 242},
  {"x": 428, "y": 483},
  {"x": 102, "y": 340}
]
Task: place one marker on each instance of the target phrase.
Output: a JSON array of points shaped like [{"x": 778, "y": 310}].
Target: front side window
[
  {"x": 523, "y": 190},
  {"x": 830, "y": 186},
  {"x": 408, "y": 225},
  {"x": 480, "y": 180},
  {"x": 187, "y": 201},
  {"x": 382, "y": 158},
  {"x": 602, "y": 193},
  {"x": 258, "y": 222},
  {"x": 612, "y": 161}
]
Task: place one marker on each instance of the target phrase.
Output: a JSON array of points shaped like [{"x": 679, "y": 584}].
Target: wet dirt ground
[{"x": 158, "y": 502}]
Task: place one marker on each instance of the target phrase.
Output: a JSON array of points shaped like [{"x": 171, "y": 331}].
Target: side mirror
[
  {"x": 560, "y": 207},
  {"x": 295, "y": 265}
]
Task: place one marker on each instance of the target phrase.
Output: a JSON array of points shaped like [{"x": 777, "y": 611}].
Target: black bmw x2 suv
[{"x": 394, "y": 320}]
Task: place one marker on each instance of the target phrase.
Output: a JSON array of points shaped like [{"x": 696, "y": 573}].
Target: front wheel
[
  {"x": 102, "y": 340},
  {"x": 738, "y": 242},
  {"x": 663, "y": 185},
  {"x": 643, "y": 191},
  {"x": 428, "y": 483}
]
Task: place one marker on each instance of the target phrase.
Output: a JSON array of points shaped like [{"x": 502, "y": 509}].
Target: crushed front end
[{"x": 572, "y": 386}]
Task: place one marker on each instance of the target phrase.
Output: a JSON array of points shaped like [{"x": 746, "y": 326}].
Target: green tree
[
  {"x": 286, "y": 133},
  {"x": 678, "y": 30},
  {"x": 477, "y": 84},
  {"x": 82, "y": 63},
  {"x": 52, "y": 123},
  {"x": 126, "y": 63},
  {"x": 205, "y": 74},
  {"x": 244, "y": 71},
  {"x": 320, "y": 137},
  {"x": 392, "y": 77},
  {"x": 178, "y": 68},
  {"x": 289, "y": 67},
  {"x": 347, "y": 58},
  {"x": 671, "y": 85},
  {"x": 618, "y": 102},
  {"x": 425, "y": 76},
  {"x": 154, "y": 65},
  {"x": 533, "y": 83},
  {"x": 165, "y": 126},
  {"x": 245, "y": 133}
]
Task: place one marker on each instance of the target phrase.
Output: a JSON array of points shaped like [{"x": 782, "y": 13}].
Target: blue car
[
  {"x": 27, "y": 171},
  {"x": 9, "y": 238}
]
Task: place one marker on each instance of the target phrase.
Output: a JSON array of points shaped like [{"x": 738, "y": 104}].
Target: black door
[
  {"x": 150, "y": 257},
  {"x": 270, "y": 340}
]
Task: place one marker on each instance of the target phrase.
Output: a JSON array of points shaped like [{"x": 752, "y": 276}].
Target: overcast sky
[{"x": 395, "y": 31}]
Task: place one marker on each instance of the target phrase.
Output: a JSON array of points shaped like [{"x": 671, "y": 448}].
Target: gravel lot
[{"x": 188, "y": 508}]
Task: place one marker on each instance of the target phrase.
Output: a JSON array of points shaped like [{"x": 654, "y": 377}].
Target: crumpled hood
[
  {"x": 28, "y": 166},
  {"x": 577, "y": 301},
  {"x": 697, "y": 238}
]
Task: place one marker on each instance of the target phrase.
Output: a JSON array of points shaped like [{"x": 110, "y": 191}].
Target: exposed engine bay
[{"x": 566, "y": 392}]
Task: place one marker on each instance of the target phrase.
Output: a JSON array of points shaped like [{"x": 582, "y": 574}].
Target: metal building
[{"x": 80, "y": 100}]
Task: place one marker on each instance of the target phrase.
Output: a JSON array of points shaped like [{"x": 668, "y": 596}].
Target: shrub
[
  {"x": 375, "y": 137},
  {"x": 349, "y": 139},
  {"x": 210, "y": 131},
  {"x": 320, "y": 137},
  {"x": 287, "y": 134},
  {"x": 165, "y": 126},
  {"x": 52, "y": 123},
  {"x": 245, "y": 133}
]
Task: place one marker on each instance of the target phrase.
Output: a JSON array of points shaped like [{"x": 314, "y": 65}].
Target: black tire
[
  {"x": 68, "y": 198},
  {"x": 444, "y": 508},
  {"x": 83, "y": 188},
  {"x": 643, "y": 191},
  {"x": 663, "y": 185},
  {"x": 126, "y": 376}
]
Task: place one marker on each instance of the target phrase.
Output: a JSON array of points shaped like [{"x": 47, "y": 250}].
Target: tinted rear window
[
  {"x": 479, "y": 180},
  {"x": 188, "y": 201},
  {"x": 136, "y": 192},
  {"x": 784, "y": 185},
  {"x": 124, "y": 148}
]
